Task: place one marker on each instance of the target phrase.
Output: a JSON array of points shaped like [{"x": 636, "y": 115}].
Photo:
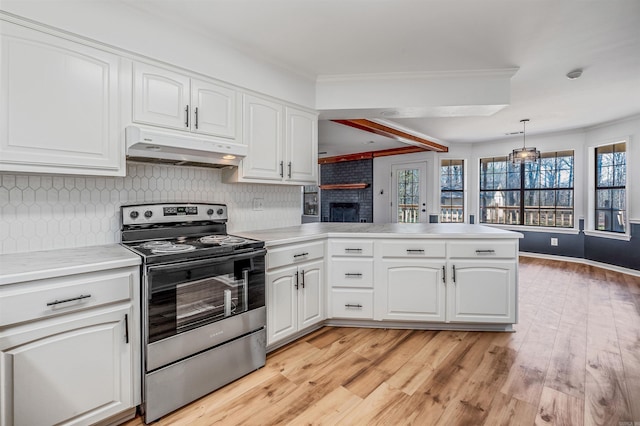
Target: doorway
[{"x": 409, "y": 192}]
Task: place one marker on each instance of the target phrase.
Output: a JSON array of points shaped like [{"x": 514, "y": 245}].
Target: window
[
  {"x": 611, "y": 180},
  {"x": 534, "y": 194},
  {"x": 452, "y": 191},
  {"x": 408, "y": 202}
]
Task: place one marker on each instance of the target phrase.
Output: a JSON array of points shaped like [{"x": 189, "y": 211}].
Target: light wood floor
[{"x": 574, "y": 359}]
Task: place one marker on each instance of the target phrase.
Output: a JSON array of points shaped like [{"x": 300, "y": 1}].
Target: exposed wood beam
[
  {"x": 390, "y": 132},
  {"x": 370, "y": 154},
  {"x": 345, "y": 186}
]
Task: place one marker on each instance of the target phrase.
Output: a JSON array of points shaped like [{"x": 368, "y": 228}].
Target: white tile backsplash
[{"x": 42, "y": 212}]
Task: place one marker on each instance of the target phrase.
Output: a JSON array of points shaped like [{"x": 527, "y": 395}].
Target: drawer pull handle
[
  {"x": 349, "y": 305},
  {"x": 300, "y": 255},
  {"x": 352, "y": 274},
  {"x": 488, "y": 251},
  {"x": 415, "y": 250},
  {"x": 349, "y": 250},
  {"x": 57, "y": 302},
  {"x": 444, "y": 274}
]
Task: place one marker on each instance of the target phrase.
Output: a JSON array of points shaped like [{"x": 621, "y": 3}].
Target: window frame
[
  {"x": 590, "y": 225},
  {"x": 462, "y": 191},
  {"x": 519, "y": 205}
]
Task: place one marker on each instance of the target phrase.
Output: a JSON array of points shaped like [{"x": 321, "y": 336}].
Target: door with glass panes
[{"x": 409, "y": 193}]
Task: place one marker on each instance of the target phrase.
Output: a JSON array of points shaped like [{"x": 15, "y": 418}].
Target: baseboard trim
[{"x": 602, "y": 265}]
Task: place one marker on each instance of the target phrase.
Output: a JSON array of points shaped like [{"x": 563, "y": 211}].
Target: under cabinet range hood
[{"x": 156, "y": 146}]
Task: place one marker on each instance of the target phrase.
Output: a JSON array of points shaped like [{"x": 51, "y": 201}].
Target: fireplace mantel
[{"x": 345, "y": 186}]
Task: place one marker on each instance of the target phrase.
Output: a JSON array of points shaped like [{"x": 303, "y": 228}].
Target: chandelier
[{"x": 524, "y": 154}]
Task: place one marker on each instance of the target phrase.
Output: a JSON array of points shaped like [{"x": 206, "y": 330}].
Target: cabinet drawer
[
  {"x": 352, "y": 304},
  {"x": 45, "y": 298},
  {"x": 411, "y": 248},
  {"x": 347, "y": 272},
  {"x": 290, "y": 255},
  {"x": 351, "y": 248},
  {"x": 479, "y": 249}
]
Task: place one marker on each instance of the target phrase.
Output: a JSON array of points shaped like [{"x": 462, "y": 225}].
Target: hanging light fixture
[{"x": 524, "y": 154}]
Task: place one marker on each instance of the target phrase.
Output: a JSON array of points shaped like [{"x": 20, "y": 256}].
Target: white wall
[{"x": 122, "y": 26}]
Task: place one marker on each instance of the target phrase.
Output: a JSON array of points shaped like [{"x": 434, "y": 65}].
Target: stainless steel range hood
[{"x": 156, "y": 146}]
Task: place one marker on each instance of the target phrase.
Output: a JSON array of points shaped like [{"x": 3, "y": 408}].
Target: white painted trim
[
  {"x": 448, "y": 75},
  {"x": 634, "y": 221},
  {"x": 547, "y": 229},
  {"x": 614, "y": 268},
  {"x": 610, "y": 235}
]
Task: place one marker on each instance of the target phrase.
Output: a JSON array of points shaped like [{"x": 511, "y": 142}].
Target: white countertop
[
  {"x": 20, "y": 267},
  {"x": 310, "y": 231}
]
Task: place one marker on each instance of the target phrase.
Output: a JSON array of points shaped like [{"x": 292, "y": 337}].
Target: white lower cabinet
[
  {"x": 411, "y": 290},
  {"x": 69, "y": 348},
  {"x": 72, "y": 370},
  {"x": 294, "y": 299},
  {"x": 482, "y": 291}
]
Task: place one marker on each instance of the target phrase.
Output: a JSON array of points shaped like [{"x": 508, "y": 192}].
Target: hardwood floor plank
[
  {"x": 425, "y": 360},
  {"x": 566, "y": 371},
  {"x": 526, "y": 378},
  {"x": 472, "y": 403},
  {"x": 443, "y": 386},
  {"x": 606, "y": 396},
  {"x": 507, "y": 411},
  {"x": 558, "y": 408},
  {"x": 328, "y": 410},
  {"x": 378, "y": 408}
]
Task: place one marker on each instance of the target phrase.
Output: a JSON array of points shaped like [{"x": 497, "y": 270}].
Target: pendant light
[{"x": 524, "y": 154}]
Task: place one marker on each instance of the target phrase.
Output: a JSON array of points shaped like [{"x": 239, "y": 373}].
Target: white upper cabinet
[
  {"x": 263, "y": 135},
  {"x": 160, "y": 97},
  {"x": 176, "y": 101},
  {"x": 58, "y": 105},
  {"x": 282, "y": 142},
  {"x": 301, "y": 145},
  {"x": 214, "y": 109}
]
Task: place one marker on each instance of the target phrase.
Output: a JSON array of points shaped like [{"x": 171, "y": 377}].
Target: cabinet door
[
  {"x": 310, "y": 294},
  {"x": 58, "y": 105},
  {"x": 482, "y": 291},
  {"x": 77, "y": 367},
  {"x": 160, "y": 97},
  {"x": 263, "y": 136},
  {"x": 214, "y": 109},
  {"x": 301, "y": 152},
  {"x": 282, "y": 307},
  {"x": 412, "y": 290}
]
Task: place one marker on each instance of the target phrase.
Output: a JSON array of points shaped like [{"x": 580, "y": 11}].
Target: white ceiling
[{"x": 545, "y": 39}]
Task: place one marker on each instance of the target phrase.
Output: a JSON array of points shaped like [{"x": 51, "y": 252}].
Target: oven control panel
[{"x": 140, "y": 214}]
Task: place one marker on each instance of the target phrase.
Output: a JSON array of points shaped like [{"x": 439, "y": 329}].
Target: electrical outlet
[
  {"x": 554, "y": 241},
  {"x": 258, "y": 204}
]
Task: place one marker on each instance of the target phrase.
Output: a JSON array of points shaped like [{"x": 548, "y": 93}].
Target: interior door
[{"x": 409, "y": 192}]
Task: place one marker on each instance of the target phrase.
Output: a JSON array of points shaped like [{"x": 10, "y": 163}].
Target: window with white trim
[
  {"x": 611, "y": 188},
  {"x": 452, "y": 191},
  {"x": 533, "y": 194}
]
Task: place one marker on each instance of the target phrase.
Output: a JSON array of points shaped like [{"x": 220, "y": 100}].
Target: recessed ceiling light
[{"x": 572, "y": 75}]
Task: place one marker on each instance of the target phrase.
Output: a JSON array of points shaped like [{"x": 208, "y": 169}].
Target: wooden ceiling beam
[
  {"x": 370, "y": 154},
  {"x": 390, "y": 132}
]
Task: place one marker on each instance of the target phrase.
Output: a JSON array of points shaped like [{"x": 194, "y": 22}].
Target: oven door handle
[{"x": 208, "y": 261}]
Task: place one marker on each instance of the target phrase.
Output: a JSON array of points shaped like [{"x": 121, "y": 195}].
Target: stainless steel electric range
[{"x": 203, "y": 301}]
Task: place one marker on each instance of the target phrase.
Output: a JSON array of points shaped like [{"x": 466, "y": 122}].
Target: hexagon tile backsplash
[{"x": 42, "y": 212}]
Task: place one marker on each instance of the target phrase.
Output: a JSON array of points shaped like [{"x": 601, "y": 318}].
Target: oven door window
[{"x": 186, "y": 295}]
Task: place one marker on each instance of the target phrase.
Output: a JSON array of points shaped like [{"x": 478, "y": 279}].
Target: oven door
[{"x": 185, "y": 296}]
